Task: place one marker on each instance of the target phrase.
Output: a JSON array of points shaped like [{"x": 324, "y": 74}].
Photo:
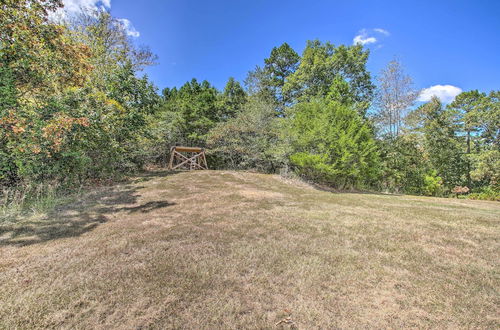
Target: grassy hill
[{"x": 218, "y": 249}]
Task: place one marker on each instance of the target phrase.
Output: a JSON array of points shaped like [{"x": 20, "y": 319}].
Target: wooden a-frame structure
[{"x": 189, "y": 158}]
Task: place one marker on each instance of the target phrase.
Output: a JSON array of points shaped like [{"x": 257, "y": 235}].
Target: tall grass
[{"x": 21, "y": 200}]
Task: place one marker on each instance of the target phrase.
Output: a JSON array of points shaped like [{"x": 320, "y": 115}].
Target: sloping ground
[{"x": 219, "y": 249}]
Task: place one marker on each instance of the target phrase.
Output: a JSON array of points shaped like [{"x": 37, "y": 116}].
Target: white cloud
[
  {"x": 74, "y": 6},
  {"x": 363, "y": 39},
  {"x": 129, "y": 28},
  {"x": 446, "y": 93},
  {"x": 384, "y": 32},
  {"x": 366, "y": 36}
]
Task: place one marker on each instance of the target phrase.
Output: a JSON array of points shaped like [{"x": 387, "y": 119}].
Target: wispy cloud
[
  {"x": 129, "y": 28},
  {"x": 369, "y": 36},
  {"x": 446, "y": 93},
  {"x": 384, "y": 32}
]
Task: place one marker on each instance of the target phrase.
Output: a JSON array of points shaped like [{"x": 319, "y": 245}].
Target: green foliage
[
  {"x": 441, "y": 145},
  {"x": 37, "y": 62},
  {"x": 457, "y": 141},
  {"x": 486, "y": 168},
  {"x": 39, "y": 55},
  {"x": 194, "y": 109},
  {"x": 486, "y": 193},
  {"x": 332, "y": 144},
  {"x": 232, "y": 99},
  {"x": 109, "y": 45},
  {"x": 404, "y": 165},
  {"x": 465, "y": 112},
  {"x": 267, "y": 83},
  {"x": 489, "y": 119},
  {"x": 282, "y": 63},
  {"x": 8, "y": 91},
  {"x": 257, "y": 86},
  {"x": 188, "y": 114},
  {"x": 321, "y": 63},
  {"x": 72, "y": 109},
  {"x": 8, "y": 103},
  {"x": 432, "y": 184},
  {"x": 251, "y": 140}
]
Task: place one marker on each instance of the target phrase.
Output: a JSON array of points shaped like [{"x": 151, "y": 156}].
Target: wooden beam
[{"x": 188, "y": 149}]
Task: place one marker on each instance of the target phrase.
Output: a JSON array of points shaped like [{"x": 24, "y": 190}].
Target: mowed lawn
[{"x": 221, "y": 249}]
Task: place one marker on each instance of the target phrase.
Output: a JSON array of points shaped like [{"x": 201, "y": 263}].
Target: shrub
[
  {"x": 433, "y": 184},
  {"x": 488, "y": 193}
]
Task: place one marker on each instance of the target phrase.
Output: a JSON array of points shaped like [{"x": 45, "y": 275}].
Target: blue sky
[{"x": 452, "y": 43}]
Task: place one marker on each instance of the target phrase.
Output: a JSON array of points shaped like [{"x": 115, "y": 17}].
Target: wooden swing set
[{"x": 188, "y": 158}]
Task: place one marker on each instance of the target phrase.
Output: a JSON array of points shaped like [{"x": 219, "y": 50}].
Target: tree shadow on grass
[
  {"x": 147, "y": 207},
  {"x": 82, "y": 215}
]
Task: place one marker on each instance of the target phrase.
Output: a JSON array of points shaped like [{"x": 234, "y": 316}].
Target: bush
[{"x": 488, "y": 193}]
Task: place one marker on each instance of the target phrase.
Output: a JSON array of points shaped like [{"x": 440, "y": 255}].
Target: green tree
[
  {"x": 40, "y": 57},
  {"x": 194, "y": 109},
  {"x": 333, "y": 144},
  {"x": 8, "y": 92},
  {"x": 486, "y": 169},
  {"x": 485, "y": 164},
  {"x": 404, "y": 164},
  {"x": 441, "y": 145},
  {"x": 465, "y": 110},
  {"x": 256, "y": 85},
  {"x": 267, "y": 82},
  {"x": 232, "y": 99},
  {"x": 488, "y": 119},
  {"x": 282, "y": 62},
  {"x": 73, "y": 108},
  {"x": 38, "y": 61},
  {"x": 110, "y": 46},
  {"x": 8, "y": 104},
  {"x": 321, "y": 63},
  {"x": 250, "y": 140},
  {"x": 125, "y": 101}
]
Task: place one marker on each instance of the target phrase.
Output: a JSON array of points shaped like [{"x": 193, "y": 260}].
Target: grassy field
[{"x": 214, "y": 249}]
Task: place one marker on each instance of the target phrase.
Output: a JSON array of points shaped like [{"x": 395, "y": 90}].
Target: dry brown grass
[{"x": 220, "y": 249}]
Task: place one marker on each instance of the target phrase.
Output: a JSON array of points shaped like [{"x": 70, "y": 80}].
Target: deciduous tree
[{"x": 394, "y": 97}]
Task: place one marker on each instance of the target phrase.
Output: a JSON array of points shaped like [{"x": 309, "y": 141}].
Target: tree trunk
[{"x": 469, "y": 180}]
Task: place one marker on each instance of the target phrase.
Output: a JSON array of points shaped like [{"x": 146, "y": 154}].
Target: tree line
[{"x": 75, "y": 109}]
